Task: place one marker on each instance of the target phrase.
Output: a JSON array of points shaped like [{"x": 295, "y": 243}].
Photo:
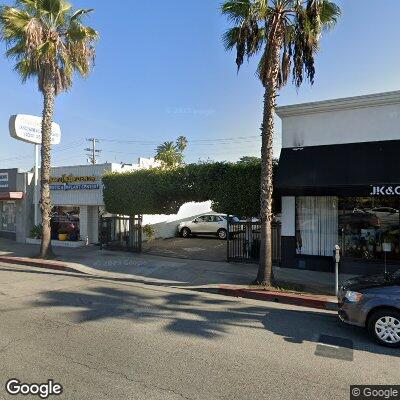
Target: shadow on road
[{"x": 209, "y": 318}]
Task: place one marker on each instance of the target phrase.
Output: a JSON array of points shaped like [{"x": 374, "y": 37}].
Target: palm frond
[
  {"x": 292, "y": 26},
  {"x": 48, "y": 40},
  {"x": 329, "y": 14},
  {"x": 77, "y": 14},
  {"x": 236, "y": 10},
  {"x": 246, "y": 36}
]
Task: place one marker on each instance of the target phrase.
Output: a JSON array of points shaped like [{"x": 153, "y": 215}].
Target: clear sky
[{"x": 161, "y": 71}]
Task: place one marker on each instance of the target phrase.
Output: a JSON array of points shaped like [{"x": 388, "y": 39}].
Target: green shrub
[
  {"x": 36, "y": 232},
  {"x": 150, "y": 232},
  {"x": 232, "y": 188}
]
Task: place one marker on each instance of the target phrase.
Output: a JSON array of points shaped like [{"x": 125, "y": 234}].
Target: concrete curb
[
  {"x": 39, "y": 263},
  {"x": 306, "y": 300}
]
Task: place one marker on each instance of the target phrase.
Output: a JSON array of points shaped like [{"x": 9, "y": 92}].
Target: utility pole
[{"x": 92, "y": 151}]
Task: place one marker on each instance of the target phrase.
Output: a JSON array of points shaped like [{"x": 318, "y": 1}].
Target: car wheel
[
  {"x": 222, "y": 234},
  {"x": 384, "y": 326},
  {"x": 185, "y": 232}
]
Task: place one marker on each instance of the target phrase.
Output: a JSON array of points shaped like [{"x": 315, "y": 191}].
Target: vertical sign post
[{"x": 36, "y": 180}]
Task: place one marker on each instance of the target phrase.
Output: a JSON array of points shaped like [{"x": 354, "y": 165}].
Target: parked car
[
  {"x": 387, "y": 215},
  {"x": 207, "y": 224},
  {"x": 373, "y": 302},
  {"x": 359, "y": 219}
]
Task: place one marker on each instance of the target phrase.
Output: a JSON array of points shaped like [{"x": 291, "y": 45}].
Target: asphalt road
[{"x": 107, "y": 340}]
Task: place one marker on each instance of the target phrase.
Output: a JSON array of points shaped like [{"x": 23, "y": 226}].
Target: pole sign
[{"x": 28, "y": 128}]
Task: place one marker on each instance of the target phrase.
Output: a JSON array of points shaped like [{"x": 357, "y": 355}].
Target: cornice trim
[{"x": 347, "y": 103}]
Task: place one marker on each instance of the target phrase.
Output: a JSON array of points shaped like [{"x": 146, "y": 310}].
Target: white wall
[
  {"x": 288, "y": 218},
  {"x": 341, "y": 121},
  {"x": 24, "y": 210},
  {"x": 165, "y": 226}
]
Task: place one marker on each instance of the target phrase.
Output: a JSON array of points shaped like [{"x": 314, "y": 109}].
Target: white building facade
[
  {"x": 77, "y": 200},
  {"x": 339, "y": 181}
]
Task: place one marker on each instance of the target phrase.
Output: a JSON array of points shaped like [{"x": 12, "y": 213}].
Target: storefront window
[
  {"x": 65, "y": 223},
  {"x": 369, "y": 228},
  {"x": 316, "y": 225},
  {"x": 7, "y": 216}
]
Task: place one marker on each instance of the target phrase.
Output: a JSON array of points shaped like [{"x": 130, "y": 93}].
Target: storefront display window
[
  {"x": 366, "y": 228},
  {"x": 369, "y": 228},
  {"x": 65, "y": 223},
  {"x": 316, "y": 225},
  {"x": 7, "y": 216}
]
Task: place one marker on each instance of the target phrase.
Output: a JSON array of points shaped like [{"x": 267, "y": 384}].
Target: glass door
[
  {"x": 7, "y": 216},
  {"x": 369, "y": 229}
]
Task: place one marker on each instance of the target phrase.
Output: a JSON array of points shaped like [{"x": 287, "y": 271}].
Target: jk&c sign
[{"x": 385, "y": 190}]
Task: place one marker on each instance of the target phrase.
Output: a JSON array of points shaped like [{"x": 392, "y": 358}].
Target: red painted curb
[
  {"x": 31, "y": 262},
  {"x": 285, "y": 298}
]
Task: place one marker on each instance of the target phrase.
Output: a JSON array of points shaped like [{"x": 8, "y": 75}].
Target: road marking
[
  {"x": 334, "y": 347},
  {"x": 193, "y": 249}
]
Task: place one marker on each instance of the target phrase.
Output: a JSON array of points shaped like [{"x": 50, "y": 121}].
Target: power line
[
  {"x": 237, "y": 139},
  {"x": 61, "y": 148}
]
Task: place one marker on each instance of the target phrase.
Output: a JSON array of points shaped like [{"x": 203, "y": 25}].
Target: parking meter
[{"x": 337, "y": 261}]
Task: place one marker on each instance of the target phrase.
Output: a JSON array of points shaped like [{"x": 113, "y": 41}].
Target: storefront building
[
  {"x": 16, "y": 211},
  {"x": 339, "y": 179},
  {"x": 77, "y": 200}
]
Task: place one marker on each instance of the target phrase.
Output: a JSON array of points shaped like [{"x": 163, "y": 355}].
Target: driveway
[{"x": 195, "y": 248}]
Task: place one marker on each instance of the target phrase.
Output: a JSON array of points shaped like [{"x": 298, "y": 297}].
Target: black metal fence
[
  {"x": 244, "y": 242},
  {"x": 121, "y": 233}
]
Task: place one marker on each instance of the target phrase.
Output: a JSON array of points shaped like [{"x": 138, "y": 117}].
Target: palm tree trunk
[
  {"x": 265, "y": 271},
  {"x": 45, "y": 201}
]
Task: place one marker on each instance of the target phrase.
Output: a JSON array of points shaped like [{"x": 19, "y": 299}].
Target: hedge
[{"x": 232, "y": 188}]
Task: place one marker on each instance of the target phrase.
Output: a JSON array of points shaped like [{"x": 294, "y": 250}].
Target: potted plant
[
  {"x": 63, "y": 234},
  {"x": 36, "y": 232},
  {"x": 388, "y": 239}
]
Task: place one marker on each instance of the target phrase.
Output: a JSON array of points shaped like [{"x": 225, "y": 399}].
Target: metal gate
[
  {"x": 244, "y": 240},
  {"x": 121, "y": 233}
]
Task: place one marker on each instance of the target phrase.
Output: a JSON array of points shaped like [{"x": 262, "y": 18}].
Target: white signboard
[
  {"x": 3, "y": 179},
  {"x": 28, "y": 128}
]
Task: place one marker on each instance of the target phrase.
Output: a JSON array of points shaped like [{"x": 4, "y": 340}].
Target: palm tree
[
  {"x": 286, "y": 35},
  {"x": 170, "y": 153},
  {"x": 48, "y": 41},
  {"x": 181, "y": 143}
]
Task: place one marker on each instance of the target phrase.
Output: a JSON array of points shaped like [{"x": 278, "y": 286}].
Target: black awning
[{"x": 344, "y": 169}]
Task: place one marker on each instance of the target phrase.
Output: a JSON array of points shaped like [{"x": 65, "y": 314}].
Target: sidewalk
[{"x": 166, "y": 271}]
